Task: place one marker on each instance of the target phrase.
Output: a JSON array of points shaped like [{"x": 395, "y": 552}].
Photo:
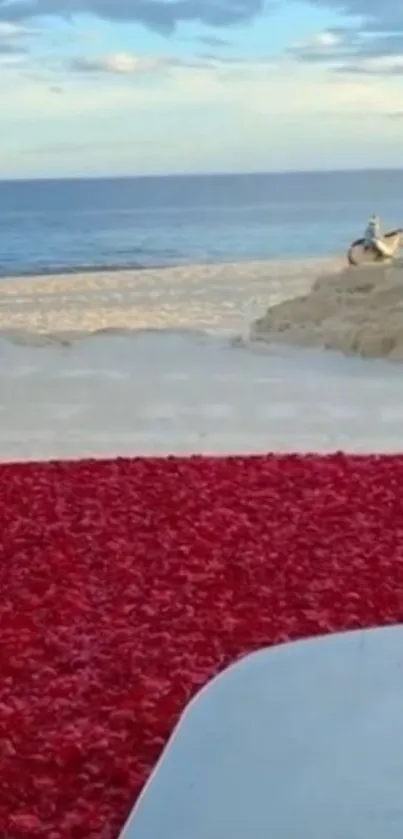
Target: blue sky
[{"x": 93, "y": 87}]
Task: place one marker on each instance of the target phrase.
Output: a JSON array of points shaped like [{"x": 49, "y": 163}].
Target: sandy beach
[
  {"x": 159, "y": 362},
  {"x": 213, "y": 295}
]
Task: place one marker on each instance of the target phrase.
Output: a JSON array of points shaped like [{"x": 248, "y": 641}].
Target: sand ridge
[{"x": 358, "y": 311}]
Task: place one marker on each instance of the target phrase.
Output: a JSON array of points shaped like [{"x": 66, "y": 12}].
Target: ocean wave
[
  {"x": 125, "y": 259},
  {"x": 55, "y": 269}
]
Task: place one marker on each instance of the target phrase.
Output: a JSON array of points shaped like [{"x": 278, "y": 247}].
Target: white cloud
[
  {"x": 326, "y": 39},
  {"x": 12, "y": 39},
  {"x": 353, "y": 51},
  {"x": 261, "y": 87},
  {"x": 247, "y": 111},
  {"x": 382, "y": 65},
  {"x": 314, "y": 90},
  {"x": 323, "y": 40},
  {"x": 129, "y": 63},
  {"x": 9, "y": 30},
  {"x": 120, "y": 63}
]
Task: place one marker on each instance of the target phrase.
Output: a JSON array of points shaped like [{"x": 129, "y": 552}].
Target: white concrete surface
[{"x": 303, "y": 740}]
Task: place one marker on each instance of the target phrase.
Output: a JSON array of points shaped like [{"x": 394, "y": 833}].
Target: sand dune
[{"x": 355, "y": 311}]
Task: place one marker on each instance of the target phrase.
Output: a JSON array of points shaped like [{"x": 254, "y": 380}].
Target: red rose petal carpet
[{"x": 125, "y": 585}]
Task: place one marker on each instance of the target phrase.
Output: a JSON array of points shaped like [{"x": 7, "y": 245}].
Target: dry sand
[
  {"x": 356, "y": 311},
  {"x": 188, "y": 296}
]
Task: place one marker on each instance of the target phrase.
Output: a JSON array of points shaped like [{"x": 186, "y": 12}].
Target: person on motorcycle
[{"x": 373, "y": 237}]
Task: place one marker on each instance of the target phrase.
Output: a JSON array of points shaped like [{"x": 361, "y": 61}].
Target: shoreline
[
  {"x": 208, "y": 266},
  {"x": 56, "y": 271}
]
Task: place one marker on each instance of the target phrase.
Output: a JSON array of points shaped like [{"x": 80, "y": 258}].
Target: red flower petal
[{"x": 127, "y": 584}]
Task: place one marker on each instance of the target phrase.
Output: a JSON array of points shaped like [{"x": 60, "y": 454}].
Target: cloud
[
  {"x": 379, "y": 17},
  {"x": 161, "y": 15},
  {"x": 214, "y": 41},
  {"x": 383, "y": 66},
  {"x": 216, "y": 60},
  {"x": 208, "y": 118},
  {"x": 324, "y": 47},
  {"x": 126, "y": 64},
  {"x": 353, "y": 51},
  {"x": 375, "y": 32},
  {"x": 342, "y": 43},
  {"x": 12, "y": 39},
  {"x": 120, "y": 63},
  {"x": 10, "y": 49},
  {"x": 10, "y": 30},
  {"x": 164, "y": 15}
]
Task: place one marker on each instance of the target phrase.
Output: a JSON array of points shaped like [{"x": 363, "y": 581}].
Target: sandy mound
[{"x": 357, "y": 311}]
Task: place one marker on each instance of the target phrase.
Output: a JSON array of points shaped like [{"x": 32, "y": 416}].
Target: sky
[{"x": 116, "y": 87}]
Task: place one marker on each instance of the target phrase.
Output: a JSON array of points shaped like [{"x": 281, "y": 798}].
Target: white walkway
[
  {"x": 303, "y": 740},
  {"x": 159, "y": 393}
]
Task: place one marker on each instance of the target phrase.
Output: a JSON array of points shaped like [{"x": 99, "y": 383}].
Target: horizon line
[{"x": 214, "y": 174}]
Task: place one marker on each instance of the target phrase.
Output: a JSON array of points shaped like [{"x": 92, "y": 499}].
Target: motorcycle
[{"x": 359, "y": 253}]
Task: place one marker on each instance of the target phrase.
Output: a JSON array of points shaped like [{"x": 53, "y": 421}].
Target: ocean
[{"x": 95, "y": 224}]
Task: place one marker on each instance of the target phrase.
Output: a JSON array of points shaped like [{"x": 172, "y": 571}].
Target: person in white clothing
[{"x": 373, "y": 237}]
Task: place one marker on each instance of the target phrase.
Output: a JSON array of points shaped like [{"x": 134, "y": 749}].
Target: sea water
[{"x": 75, "y": 225}]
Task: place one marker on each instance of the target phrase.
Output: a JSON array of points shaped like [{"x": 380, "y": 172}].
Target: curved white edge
[{"x": 284, "y": 649}]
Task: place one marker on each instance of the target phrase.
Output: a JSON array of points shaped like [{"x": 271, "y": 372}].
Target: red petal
[{"x": 127, "y": 584}]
